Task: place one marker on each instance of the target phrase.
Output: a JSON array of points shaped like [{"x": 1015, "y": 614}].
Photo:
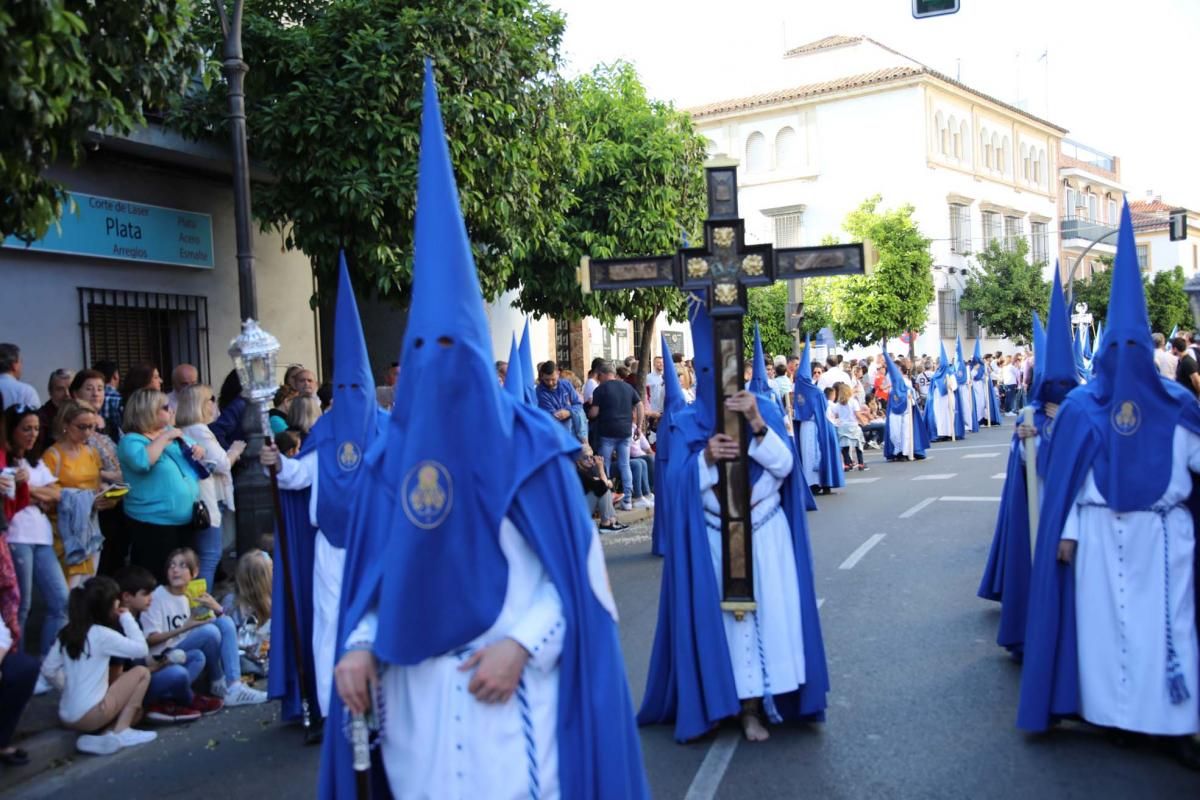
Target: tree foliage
[
  {"x": 1167, "y": 302},
  {"x": 1004, "y": 289},
  {"x": 333, "y": 105},
  {"x": 70, "y": 68},
  {"x": 896, "y": 295},
  {"x": 768, "y": 308},
  {"x": 634, "y": 179}
]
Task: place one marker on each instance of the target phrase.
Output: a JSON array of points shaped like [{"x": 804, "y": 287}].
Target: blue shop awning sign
[{"x": 105, "y": 227}]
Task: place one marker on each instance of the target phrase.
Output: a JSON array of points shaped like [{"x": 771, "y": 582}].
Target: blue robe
[
  {"x": 1050, "y": 677},
  {"x": 896, "y": 405},
  {"x": 690, "y": 681},
  {"x": 938, "y": 385},
  {"x": 599, "y": 753},
  {"x": 980, "y": 374},
  {"x": 811, "y": 405}
]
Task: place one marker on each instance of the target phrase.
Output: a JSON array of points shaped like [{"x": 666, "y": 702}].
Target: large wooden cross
[{"x": 723, "y": 269}]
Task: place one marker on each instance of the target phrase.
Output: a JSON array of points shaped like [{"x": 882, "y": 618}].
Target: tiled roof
[
  {"x": 808, "y": 90},
  {"x": 827, "y": 43},
  {"x": 1152, "y": 214},
  {"x": 888, "y": 75}
]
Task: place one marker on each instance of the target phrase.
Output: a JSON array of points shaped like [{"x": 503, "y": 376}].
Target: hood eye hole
[
  {"x": 445, "y": 341},
  {"x": 341, "y": 386},
  {"x": 419, "y": 343},
  {"x": 354, "y": 386}
]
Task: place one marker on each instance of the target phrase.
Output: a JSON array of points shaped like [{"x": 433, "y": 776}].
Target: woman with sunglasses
[
  {"x": 30, "y": 533},
  {"x": 77, "y": 465},
  {"x": 163, "y": 481}
]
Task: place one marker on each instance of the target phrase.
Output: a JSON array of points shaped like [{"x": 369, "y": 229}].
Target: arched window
[
  {"x": 1026, "y": 163},
  {"x": 955, "y": 148},
  {"x": 943, "y": 133},
  {"x": 787, "y": 149},
  {"x": 964, "y": 133},
  {"x": 756, "y": 153},
  {"x": 1041, "y": 167},
  {"x": 1072, "y": 203},
  {"x": 997, "y": 154},
  {"x": 711, "y": 147},
  {"x": 1093, "y": 206},
  {"x": 985, "y": 148}
]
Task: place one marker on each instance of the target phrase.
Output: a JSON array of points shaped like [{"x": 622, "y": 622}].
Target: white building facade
[{"x": 860, "y": 119}]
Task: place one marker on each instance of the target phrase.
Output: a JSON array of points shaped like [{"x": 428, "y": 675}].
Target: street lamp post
[{"x": 252, "y": 488}]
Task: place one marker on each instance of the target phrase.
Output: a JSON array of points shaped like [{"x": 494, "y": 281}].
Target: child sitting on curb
[
  {"x": 170, "y": 697},
  {"x": 170, "y": 622},
  {"x": 78, "y": 666}
]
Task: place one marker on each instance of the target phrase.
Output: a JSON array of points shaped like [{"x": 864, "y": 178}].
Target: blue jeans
[
  {"x": 217, "y": 640},
  {"x": 208, "y": 551},
  {"x": 641, "y": 475},
  {"x": 36, "y": 564},
  {"x": 607, "y": 445},
  {"x": 174, "y": 682}
]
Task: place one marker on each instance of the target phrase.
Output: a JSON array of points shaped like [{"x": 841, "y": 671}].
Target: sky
[{"x": 1118, "y": 74}]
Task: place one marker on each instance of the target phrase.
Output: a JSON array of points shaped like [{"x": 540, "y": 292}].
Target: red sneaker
[
  {"x": 171, "y": 712},
  {"x": 206, "y": 704}
]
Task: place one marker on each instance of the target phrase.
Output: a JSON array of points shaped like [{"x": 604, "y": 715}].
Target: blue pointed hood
[
  {"x": 1085, "y": 345},
  {"x": 1081, "y": 364},
  {"x": 943, "y": 362},
  {"x": 960, "y": 363},
  {"x": 702, "y": 343},
  {"x": 1099, "y": 338},
  {"x": 898, "y": 396},
  {"x": 1057, "y": 371},
  {"x": 342, "y": 435},
  {"x": 805, "y": 367},
  {"x": 451, "y": 484},
  {"x": 672, "y": 392},
  {"x": 680, "y": 418},
  {"x": 759, "y": 382},
  {"x": 1174, "y": 333},
  {"x": 1039, "y": 337},
  {"x": 1132, "y": 410},
  {"x": 514, "y": 378},
  {"x": 807, "y": 398},
  {"x": 528, "y": 370},
  {"x": 977, "y": 356}
]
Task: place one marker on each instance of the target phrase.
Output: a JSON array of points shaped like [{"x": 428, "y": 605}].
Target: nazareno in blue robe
[
  {"x": 599, "y": 753},
  {"x": 809, "y": 405},
  {"x": 282, "y": 676},
  {"x": 690, "y": 681},
  {"x": 898, "y": 404}
]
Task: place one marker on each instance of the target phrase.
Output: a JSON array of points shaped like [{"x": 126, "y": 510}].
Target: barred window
[
  {"x": 133, "y": 328},
  {"x": 947, "y": 313},
  {"x": 1038, "y": 244},
  {"x": 991, "y": 227},
  {"x": 960, "y": 228},
  {"x": 787, "y": 230},
  {"x": 562, "y": 343},
  {"x": 1013, "y": 230}
]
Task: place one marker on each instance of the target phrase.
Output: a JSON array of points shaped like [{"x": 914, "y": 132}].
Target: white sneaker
[
  {"x": 131, "y": 737},
  {"x": 242, "y": 695},
  {"x": 42, "y": 686},
  {"x": 103, "y": 745},
  {"x": 642, "y": 502}
]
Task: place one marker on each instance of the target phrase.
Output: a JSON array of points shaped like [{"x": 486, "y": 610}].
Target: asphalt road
[{"x": 923, "y": 701}]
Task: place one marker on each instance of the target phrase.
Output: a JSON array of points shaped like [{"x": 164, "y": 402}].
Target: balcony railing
[
  {"x": 1084, "y": 228},
  {"x": 1081, "y": 152}
]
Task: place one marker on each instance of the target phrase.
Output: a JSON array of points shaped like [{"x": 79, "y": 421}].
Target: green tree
[
  {"x": 71, "y": 69},
  {"x": 896, "y": 295},
  {"x": 768, "y": 308},
  {"x": 1167, "y": 302},
  {"x": 334, "y": 105},
  {"x": 1003, "y": 289},
  {"x": 636, "y": 183}
]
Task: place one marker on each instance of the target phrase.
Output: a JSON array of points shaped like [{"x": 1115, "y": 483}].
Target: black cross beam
[{"x": 724, "y": 268}]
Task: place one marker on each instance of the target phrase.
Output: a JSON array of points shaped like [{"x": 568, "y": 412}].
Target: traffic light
[
  {"x": 933, "y": 8},
  {"x": 1179, "y": 224}
]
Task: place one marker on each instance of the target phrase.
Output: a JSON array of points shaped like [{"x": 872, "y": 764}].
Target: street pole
[
  {"x": 1079, "y": 260},
  {"x": 252, "y": 488}
]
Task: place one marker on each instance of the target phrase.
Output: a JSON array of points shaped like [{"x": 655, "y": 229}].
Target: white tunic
[
  {"x": 900, "y": 427},
  {"x": 943, "y": 408},
  {"x": 1120, "y": 604},
  {"x": 983, "y": 408},
  {"x": 766, "y": 647},
  {"x": 439, "y": 741},
  {"x": 328, "y": 564},
  {"x": 810, "y": 453}
]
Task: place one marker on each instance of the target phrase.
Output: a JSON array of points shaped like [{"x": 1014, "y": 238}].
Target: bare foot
[{"x": 753, "y": 728}]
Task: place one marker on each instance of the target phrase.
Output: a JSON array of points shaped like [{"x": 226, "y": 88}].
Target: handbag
[{"x": 201, "y": 521}]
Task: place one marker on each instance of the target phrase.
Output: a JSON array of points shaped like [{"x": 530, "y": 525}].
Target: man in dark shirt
[
  {"x": 1186, "y": 371},
  {"x": 614, "y": 405}
]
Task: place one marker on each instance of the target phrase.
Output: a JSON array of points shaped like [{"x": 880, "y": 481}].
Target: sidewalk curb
[{"x": 48, "y": 750}]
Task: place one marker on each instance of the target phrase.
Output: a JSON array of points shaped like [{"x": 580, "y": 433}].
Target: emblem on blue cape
[
  {"x": 1126, "y": 418},
  {"x": 428, "y": 495},
  {"x": 349, "y": 456}
]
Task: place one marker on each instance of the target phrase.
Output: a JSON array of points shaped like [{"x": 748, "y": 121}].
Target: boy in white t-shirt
[{"x": 170, "y": 622}]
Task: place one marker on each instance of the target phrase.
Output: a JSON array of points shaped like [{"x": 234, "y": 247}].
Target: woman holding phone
[{"x": 197, "y": 407}]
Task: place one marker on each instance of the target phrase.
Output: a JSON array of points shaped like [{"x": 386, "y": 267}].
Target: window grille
[
  {"x": 787, "y": 230},
  {"x": 947, "y": 313},
  {"x": 960, "y": 228},
  {"x": 132, "y": 328},
  {"x": 1039, "y": 246},
  {"x": 562, "y": 343}
]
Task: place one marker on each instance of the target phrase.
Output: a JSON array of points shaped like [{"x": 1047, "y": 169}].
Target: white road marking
[
  {"x": 999, "y": 476},
  {"x": 940, "y": 449},
  {"x": 865, "y": 548},
  {"x": 981, "y": 455},
  {"x": 712, "y": 769},
  {"x": 912, "y": 512},
  {"x": 967, "y": 499},
  {"x": 942, "y": 476},
  {"x": 850, "y": 481}
]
